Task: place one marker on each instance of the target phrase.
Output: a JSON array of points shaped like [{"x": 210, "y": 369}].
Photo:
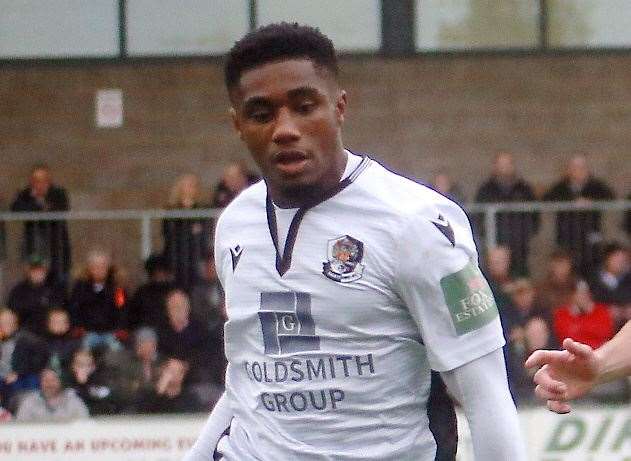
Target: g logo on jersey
[
  {"x": 344, "y": 256},
  {"x": 287, "y": 323}
]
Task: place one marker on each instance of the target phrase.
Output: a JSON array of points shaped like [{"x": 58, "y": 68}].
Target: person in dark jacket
[
  {"x": 91, "y": 383},
  {"x": 186, "y": 338},
  {"x": 513, "y": 229},
  {"x": 32, "y": 297},
  {"x": 97, "y": 302},
  {"x": 186, "y": 241},
  {"x": 22, "y": 357},
  {"x": 59, "y": 339},
  {"x": 147, "y": 305},
  {"x": 579, "y": 231},
  {"x": 48, "y": 239}
]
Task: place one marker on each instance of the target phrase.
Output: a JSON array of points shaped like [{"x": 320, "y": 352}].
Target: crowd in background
[{"x": 73, "y": 346}]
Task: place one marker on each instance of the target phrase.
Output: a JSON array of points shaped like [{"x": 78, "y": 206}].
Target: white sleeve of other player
[
  {"x": 441, "y": 284},
  {"x": 218, "y": 421},
  {"x": 481, "y": 388}
]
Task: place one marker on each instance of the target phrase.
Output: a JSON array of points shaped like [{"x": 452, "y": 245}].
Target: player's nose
[{"x": 285, "y": 129}]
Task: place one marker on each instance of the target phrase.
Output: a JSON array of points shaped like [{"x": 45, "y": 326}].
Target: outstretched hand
[{"x": 564, "y": 375}]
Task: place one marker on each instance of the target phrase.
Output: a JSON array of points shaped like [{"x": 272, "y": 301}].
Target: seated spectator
[
  {"x": 169, "y": 393},
  {"x": 513, "y": 229},
  {"x": 234, "y": 179},
  {"x": 443, "y": 184},
  {"x": 59, "y": 339},
  {"x": 91, "y": 383},
  {"x": 147, "y": 305},
  {"x": 22, "y": 356},
  {"x": 52, "y": 403},
  {"x": 97, "y": 302},
  {"x": 579, "y": 230},
  {"x": 133, "y": 373},
  {"x": 207, "y": 303},
  {"x": 186, "y": 241},
  {"x": 583, "y": 320},
  {"x": 5, "y": 415},
  {"x": 497, "y": 271},
  {"x": 611, "y": 284},
  {"x": 525, "y": 328},
  {"x": 186, "y": 338},
  {"x": 558, "y": 284},
  {"x": 32, "y": 297}
]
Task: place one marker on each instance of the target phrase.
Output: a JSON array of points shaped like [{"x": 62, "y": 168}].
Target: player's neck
[{"x": 305, "y": 195}]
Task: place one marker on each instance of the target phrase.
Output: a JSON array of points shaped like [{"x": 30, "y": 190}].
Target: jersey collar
[{"x": 283, "y": 262}]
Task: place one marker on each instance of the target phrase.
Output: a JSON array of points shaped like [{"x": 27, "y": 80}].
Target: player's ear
[
  {"x": 236, "y": 123},
  {"x": 340, "y": 106}
]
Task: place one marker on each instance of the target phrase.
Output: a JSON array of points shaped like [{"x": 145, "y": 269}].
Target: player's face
[{"x": 290, "y": 115}]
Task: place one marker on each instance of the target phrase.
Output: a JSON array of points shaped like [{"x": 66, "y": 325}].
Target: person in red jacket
[{"x": 584, "y": 320}]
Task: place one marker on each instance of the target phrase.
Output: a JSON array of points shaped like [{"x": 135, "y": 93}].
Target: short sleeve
[{"x": 441, "y": 284}]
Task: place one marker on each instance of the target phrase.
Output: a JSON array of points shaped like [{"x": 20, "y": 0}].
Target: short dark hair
[{"x": 278, "y": 42}]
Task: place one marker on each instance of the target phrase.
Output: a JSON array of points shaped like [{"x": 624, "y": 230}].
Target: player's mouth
[{"x": 290, "y": 162}]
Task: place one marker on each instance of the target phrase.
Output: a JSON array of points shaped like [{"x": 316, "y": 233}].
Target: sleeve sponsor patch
[{"x": 469, "y": 299}]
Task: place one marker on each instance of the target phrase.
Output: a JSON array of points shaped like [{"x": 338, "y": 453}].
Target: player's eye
[
  {"x": 305, "y": 107},
  {"x": 260, "y": 116}
]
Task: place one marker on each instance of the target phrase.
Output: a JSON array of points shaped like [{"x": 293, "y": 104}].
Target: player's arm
[
  {"x": 574, "y": 371},
  {"x": 217, "y": 423},
  {"x": 481, "y": 388},
  {"x": 447, "y": 295}
]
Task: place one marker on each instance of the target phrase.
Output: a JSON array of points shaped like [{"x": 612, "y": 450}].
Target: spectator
[
  {"x": 59, "y": 339},
  {"x": 169, "y": 394},
  {"x": 234, "y": 179},
  {"x": 48, "y": 239},
  {"x": 580, "y": 230},
  {"x": 557, "y": 286},
  {"x": 32, "y": 297},
  {"x": 497, "y": 271},
  {"x": 207, "y": 303},
  {"x": 185, "y": 338},
  {"x": 22, "y": 356},
  {"x": 133, "y": 373},
  {"x": 90, "y": 382},
  {"x": 52, "y": 403},
  {"x": 147, "y": 306},
  {"x": 526, "y": 328},
  {"x": 186, "y": 241},
  {"x": 97, "y": 302},
  {"x": 611, "y": 283},
  {"x": 443, "y": 184},
  {"x": 513, "y": 229},
  {"x": 5, "y": 415},
  {"x": 584, "y": 320}
]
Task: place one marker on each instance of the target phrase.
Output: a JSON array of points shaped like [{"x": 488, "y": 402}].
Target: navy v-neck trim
[{"x": 283, "y": 261}]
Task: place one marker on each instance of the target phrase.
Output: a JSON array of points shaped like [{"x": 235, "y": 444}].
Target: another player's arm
[
  {"x": 573, "y": 372},
  {"x": 206, "y": 443}
]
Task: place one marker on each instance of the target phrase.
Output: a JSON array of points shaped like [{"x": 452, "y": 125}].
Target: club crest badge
[{"x": 344, "y": 256}]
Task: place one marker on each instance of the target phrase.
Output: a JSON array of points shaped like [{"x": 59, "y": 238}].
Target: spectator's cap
[
  {"x": 145, "y": 334},
  {"x": 156, "y": 263},
  {"x": 36, "y": 260},
  {"x": 519, "y": 286}
]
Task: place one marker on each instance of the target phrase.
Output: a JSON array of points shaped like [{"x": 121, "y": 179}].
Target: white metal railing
[{"x": 488, "y": 210}]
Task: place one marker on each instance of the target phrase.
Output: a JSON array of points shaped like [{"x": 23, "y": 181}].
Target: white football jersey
[{"x": 331, "y": 340}]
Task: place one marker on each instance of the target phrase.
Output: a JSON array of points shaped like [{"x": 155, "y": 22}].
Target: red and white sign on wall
[{"x": 104, "y": 439}]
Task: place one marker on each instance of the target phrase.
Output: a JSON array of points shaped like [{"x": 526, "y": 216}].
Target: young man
[
  {"x": 346, "y": 285},
  {"x": 576, "y": 370}
]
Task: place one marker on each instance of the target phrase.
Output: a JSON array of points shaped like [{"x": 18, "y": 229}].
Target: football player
[{"x": 353, "y": 295}]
